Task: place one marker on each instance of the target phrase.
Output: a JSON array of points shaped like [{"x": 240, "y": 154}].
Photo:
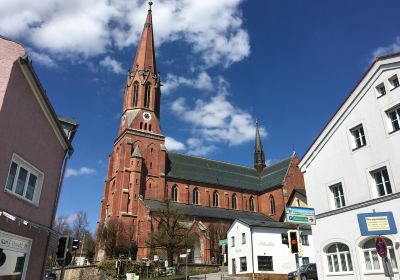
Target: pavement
[{"x": 217, "y": 276}]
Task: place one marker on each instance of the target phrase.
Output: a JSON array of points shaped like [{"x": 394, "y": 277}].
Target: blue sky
[{"x": 223, "y": 64}]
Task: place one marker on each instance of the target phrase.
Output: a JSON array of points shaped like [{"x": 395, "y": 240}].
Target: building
[
  {"x": 353, "y": 167},
  {"x": 257, "y": 247},
  {"x": 30, "y": 178},
  {"x": 142, "y": 173}
]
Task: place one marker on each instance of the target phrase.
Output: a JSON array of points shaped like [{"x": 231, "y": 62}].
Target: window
[
  {"x": 135, "y": 94},
  {"x": 174, "y": 194},
  {"x": 243, "y": 264},
  {"x": 339, "y": 258},
  {"x": 359, "y": 137},
  {"x": 233, "y": 241},
  {"x": 382, "y": 181},
  {"x": 147, "y": 96},
  {"x": 265, "y": 263},
  {"x": 305, "y": 260},
  {"x": 195, "y": 196},
  {"x": 251, "y": 203},
  {"x": 234, "y": 206},
  {"x": 338, "y": 195},
  {"x": 372, "y": 261},
  {"x": 243, "y": 238},
  {"x": 394, "y": 116},
  {"x": 381, "y": 89},
  {"x": 394, "y": 82},
  {"x": 304, "y": 240},
  {"x": 272, "y": 205},
  {"x": 215, "y": 199},
  {"x": 24, "y": 180}
]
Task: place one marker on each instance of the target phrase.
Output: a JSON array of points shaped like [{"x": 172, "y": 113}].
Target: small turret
[{"x": 259, "y": 157}]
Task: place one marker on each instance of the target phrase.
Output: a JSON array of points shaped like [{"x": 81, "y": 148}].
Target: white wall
[
  {"x": 266, "y": 242},
  {"x": 331, "y": 160}
]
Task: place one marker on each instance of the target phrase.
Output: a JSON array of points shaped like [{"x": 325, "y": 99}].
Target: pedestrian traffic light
[
  {"x": 75, "y": 244},
  {"x": 294, "y": 245},
  {"x": 62, "y": 247}
]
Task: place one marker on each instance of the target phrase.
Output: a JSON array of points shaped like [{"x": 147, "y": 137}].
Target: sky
[{"x": 223, "y": 64}]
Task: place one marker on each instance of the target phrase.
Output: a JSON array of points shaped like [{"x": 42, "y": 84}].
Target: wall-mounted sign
[
  {"x": 300, "y": 215},
  {"x": 378, "y": 223}
]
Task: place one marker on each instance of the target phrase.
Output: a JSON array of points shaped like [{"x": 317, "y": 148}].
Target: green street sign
[
  {"x": 299, "y": 219},
  {"x": 223, "y": 242}
]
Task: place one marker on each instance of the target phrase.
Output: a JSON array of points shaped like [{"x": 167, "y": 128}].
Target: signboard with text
[
  {"x": 300, "y": 215},
  {"x": 378, "y": 223}
]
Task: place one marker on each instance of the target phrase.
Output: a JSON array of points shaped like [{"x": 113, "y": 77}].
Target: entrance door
[{"x": 233, "y": 266}]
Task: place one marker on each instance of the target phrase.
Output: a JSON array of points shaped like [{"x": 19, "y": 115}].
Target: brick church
[{"x": 142, "y": 173}]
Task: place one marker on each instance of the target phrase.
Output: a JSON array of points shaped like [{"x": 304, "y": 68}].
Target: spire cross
[{"x": 150, "y": 3}]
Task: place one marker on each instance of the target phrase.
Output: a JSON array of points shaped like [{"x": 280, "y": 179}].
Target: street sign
[
  {"x": 381, "y": 247},
  {"x": 300, "y": 215},
  {"x": 223, "y": 242},
  {"x": 378, "y": 223}
]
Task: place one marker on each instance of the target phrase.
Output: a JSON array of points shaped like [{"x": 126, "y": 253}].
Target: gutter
[{"x": 252, "y": 251}]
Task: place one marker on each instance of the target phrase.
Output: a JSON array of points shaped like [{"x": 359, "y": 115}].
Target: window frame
[
  {"x": 341, "y": 197},
  {"x": 392, "y": 127},
  {"x": 361, "y": 137},
  {"x": 371, "y": 250},
  {"x": 378, "y": 90},
  {"x": 232, "y": 241},
  {"x": 135, "y": 94},
  {"x": 267, "y": 268},
  {"x": 243, "y": 238},
  {"x": 383, "y": 182},
  {"x": 195, "y": 196},
  {"x": 392, "y": 83},
  {"x": 234, "y": 201},
  {"x": 251, "y": 204},
  {"x": 31, "y": 170},
  {"x": 175, "y": 193},
  {"x": 329, "y": 258},
  {"x": 272, "y": 205},
  {"x": 215, "y": 199},
  {"x": 243, "y": 269},
  {"x": 147, "y": 95}
]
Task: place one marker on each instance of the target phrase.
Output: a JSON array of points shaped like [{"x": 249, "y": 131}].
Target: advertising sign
[{"x": 378, "y": 223}]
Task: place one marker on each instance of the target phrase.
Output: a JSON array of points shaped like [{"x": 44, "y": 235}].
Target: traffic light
[
  {"x": 75, "y": 244},
  {"x": 62, "y": 247},
  {"x": 294, "y": 245}
]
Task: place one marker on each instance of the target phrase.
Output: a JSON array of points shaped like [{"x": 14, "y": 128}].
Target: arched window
[
  {"x": 135, "y": 94},
  {"x": 150, "y": 127},
  {"x": 272, "y": 205},
  {"x": 141, "y": 125},
  {"x": 339, "y": 258},
  {"x": 251, "y": 203},
  {"x": 372, "y": 261},
  {"x": 196, "y": 196},
  {"x": 174, "y": 193},
  {"x": 145, "y": 126},
  {"x": 215, "y": 199},
  {"x": 234, "y": 206},
  {"x": 147, "y": 96}
]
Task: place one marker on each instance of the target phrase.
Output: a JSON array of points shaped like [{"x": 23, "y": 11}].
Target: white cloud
[
  {"x": 217, "y": 120},
  {"x": 77, "y": 172},
  {"x": 173, "y": 144},
  {"x": 198, "y": 147},
  {"x": 202, "y": 82},
  {"x": 42, "y": 59},
  {"x": 112, "y": 65},
  {"x": 213, "y": 29},
  {"x": 392, "y": 48}
]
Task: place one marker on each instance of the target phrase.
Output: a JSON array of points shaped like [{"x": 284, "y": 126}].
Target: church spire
[
  {"x": 143, "y": 81},
  {"x": 259, "y": 158}
]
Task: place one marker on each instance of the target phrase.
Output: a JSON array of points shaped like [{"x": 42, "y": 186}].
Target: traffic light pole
[
  {"x": 297, "y": 255},
  {"x": 62, "y": 270}
]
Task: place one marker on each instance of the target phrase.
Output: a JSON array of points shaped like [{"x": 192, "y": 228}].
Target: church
[{"x": 142, "y": 173}]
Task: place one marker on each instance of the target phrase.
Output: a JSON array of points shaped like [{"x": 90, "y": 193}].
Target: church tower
[
  {"x": 137, "y": 163},
  {"x": 259, "y": 157}
]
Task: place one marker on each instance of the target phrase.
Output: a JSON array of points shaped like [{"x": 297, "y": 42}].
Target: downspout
[{"x": 252, "y": 253}]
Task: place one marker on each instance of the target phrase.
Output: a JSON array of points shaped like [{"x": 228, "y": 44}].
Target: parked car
[
  {"x": 307, "y": 271},
  {"x": 49, "y": 274}
]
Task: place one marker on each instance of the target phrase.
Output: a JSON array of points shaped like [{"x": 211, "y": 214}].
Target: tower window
[
  {"x": 174, "y": 194},
  {"x": 150, "y": 127},
  {"x": 251, "y": 203},
  {"x": 234, "y": 205},
  {"x": 215, "y": 199},
  {"x": 147, "y": 96},
  {"x": 272, "y": 205},
  {"x": 196, "y": 196},
  {"x": 141, "y": 125},
  {"x": 135, "y": 94},
  {"x": 145, "y": 126}
]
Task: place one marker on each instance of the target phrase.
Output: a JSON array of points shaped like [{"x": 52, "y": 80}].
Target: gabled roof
[
  {"x": 271, "y": 224},
  {"x": 204, "y": 211},
  {"x": 202, "y": 170}
]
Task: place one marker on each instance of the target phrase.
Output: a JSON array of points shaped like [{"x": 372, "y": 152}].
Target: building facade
[
  {"x": 142, "y": 173},
  {"x": 257, "y": 247},
  {"x": 30, "y": 178},
  {"x": 353, "y": 167}
]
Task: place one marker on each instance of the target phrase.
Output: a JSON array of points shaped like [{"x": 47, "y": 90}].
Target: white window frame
[
  {"x": 330, "y": 257},
  {"x": 243, "y": 238},
  {"x": 372, "y": 251},
  {"x": 341, "y": 197},
  {"x": 196, "y": 196},
  {"x": 240, "y": 263},
  {"x": 392, "y": 83},
  {"x": 175, "y": 196},
  {"x": 391, "y": 126},
  {"x": 232, "y": 241},
  {"x": 31, "y": 170},
  {"x": 378, "y": 91},
  {"x": 359, "y": 136},
  {"x": 385, "y": 183}
]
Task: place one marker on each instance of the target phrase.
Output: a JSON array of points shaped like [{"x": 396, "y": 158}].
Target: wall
[{"x": 83, "y": 273}]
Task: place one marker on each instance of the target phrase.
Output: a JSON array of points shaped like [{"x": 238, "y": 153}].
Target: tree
[
  {"x": 61, "y": 224},
  {"x": 217, "y": 231},
  {"x": 80, "y": 225},
  {"x": 111, "y": 235},
  {"x": 172, "y": 232}
]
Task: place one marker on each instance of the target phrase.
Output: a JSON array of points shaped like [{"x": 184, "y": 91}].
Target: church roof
[
  {"x": 209, "y": 212},
  {"x": 202, "y": 170}
]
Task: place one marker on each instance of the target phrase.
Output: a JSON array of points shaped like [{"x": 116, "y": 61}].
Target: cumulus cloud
[
  {"x": 112, "y": 65},
  {"x": 213, "y": 29},
  {"x": 217, "y": 120},
  {"x": 42, "y": 59},
  {"x": 78, "y": 172},
  {"x": 202, "y": 82},
  {"x": 174, "y": 145},
  {"x": 392, "y": 48}
]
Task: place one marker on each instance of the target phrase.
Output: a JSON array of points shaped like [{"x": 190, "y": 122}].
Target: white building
[
  {"x": 260, "y": 243},
  {"x": 353, "y": 167}
]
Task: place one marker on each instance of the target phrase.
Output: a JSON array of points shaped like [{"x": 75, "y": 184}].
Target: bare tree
[
  {"x": 80, "y": 225},
  {"x": 172, "y": 232},
  {"x": 110, "y": 235},
  {"x": 61, "y": 224}
]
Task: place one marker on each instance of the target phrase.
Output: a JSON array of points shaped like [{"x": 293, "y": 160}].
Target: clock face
[{"x": 146, "y": 116}]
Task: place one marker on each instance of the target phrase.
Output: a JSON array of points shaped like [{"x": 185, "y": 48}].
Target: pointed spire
[
  {"x": 259, "y": 157},
  {"x": 145, "y": 56}
]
